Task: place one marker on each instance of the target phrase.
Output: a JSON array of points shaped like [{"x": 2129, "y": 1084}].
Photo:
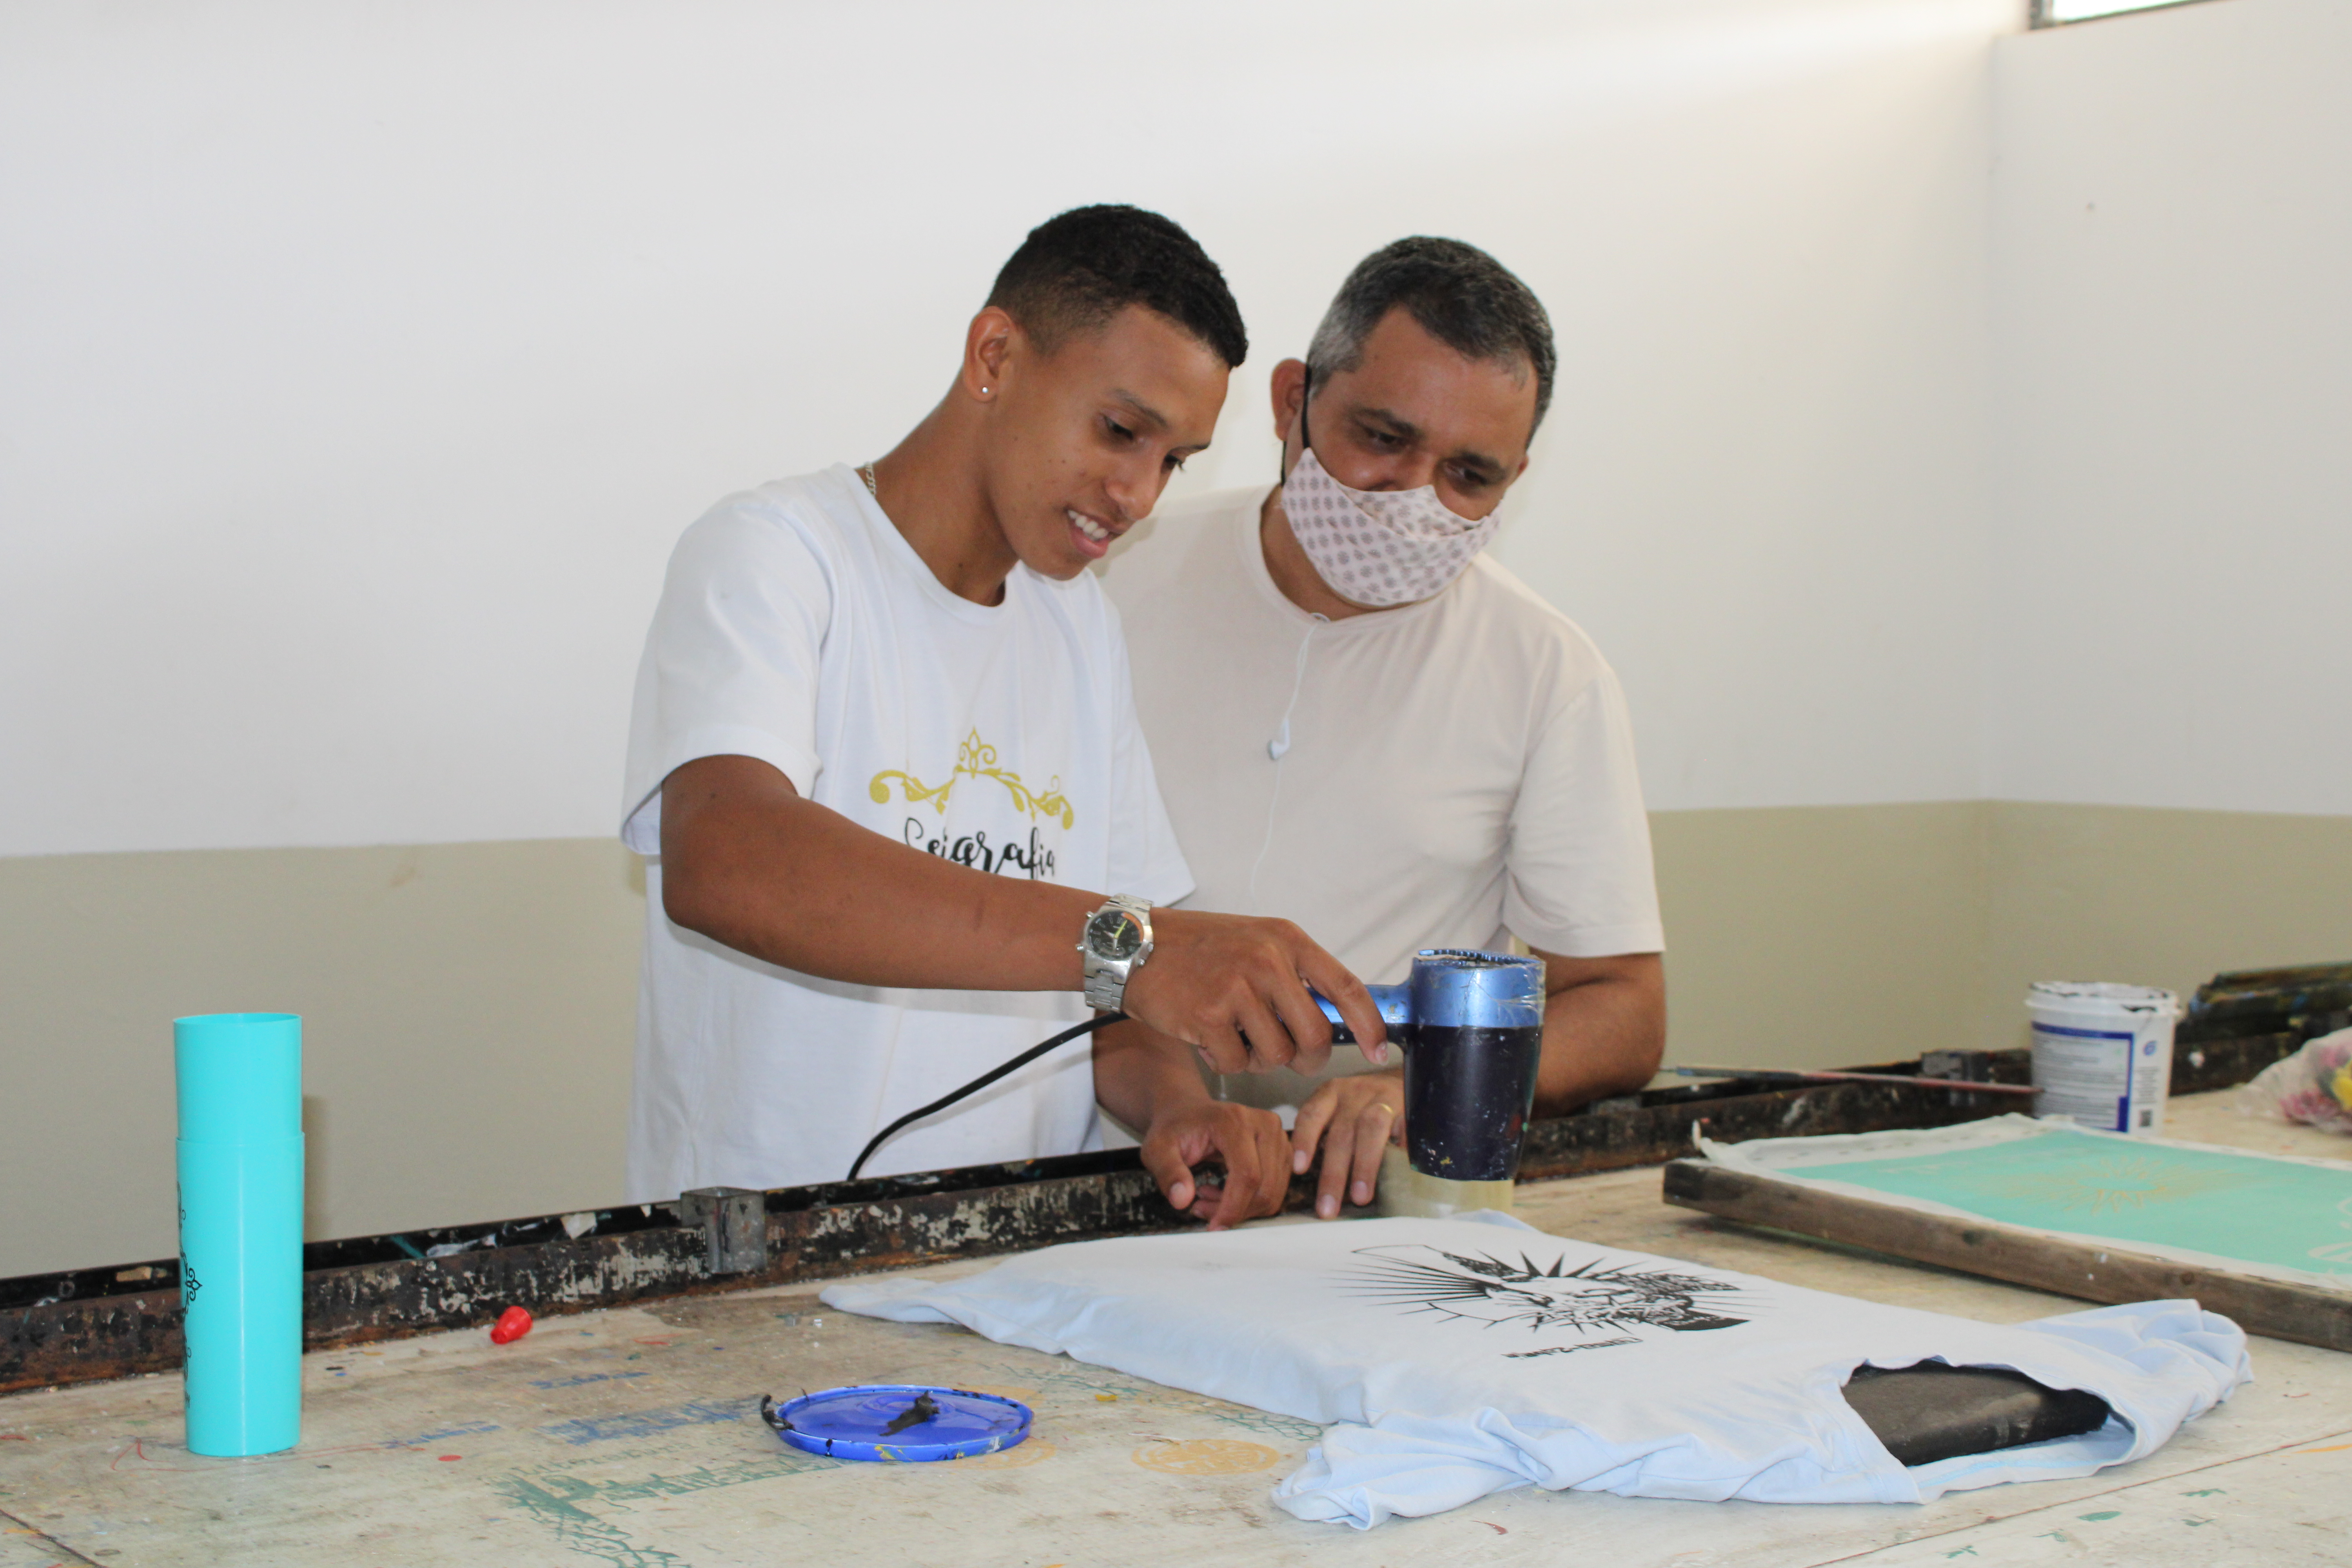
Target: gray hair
[{"x": 1460, "y": 296}]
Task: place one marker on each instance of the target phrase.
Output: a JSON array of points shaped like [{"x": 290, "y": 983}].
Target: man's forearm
[
  {"x": 747, "y": 862},
  {"x": 1602, "y": 1036}
]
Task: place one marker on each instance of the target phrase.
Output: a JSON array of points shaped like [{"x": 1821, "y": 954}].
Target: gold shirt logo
[{"x": 976, "y": 758}]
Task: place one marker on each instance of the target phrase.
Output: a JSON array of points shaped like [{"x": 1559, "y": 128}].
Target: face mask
[{"x": 1378, "y": 547}]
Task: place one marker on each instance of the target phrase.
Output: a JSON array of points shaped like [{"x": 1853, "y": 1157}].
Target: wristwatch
[{"x": 1117, "y": 940}]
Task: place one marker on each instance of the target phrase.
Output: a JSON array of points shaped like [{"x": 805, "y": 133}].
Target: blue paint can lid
[{"x": 902, "y": 1423}]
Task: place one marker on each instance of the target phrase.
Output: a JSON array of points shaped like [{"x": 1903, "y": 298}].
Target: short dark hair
[
  {"x": 1078, "y": 270},
  {"x": 1460, "y": 296}
]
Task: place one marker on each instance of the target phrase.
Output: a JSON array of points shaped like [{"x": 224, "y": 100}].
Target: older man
[{"x": 1362, "y": 724}]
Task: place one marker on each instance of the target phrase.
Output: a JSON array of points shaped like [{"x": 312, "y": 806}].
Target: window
[{"x": 2051, "y": 13}]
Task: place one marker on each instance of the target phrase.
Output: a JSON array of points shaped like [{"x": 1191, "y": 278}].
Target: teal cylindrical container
[{"x": 240, "y": 1083}]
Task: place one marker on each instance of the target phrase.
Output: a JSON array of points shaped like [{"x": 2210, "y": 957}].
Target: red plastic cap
[{"x": 512, "y": 1324}]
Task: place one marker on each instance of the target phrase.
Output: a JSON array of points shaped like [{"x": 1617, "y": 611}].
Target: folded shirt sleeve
[
  {"x": 730, "y": 662},
  {"x": 1579, "y": 880}
]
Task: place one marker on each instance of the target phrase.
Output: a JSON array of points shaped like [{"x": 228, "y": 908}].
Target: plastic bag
[{"x": 2312, "y": 1086}]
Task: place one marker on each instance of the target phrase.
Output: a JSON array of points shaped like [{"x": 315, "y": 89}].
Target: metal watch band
[
  {"x": 1107, "y": 987},
  {"x": 1107, "y": 978}
]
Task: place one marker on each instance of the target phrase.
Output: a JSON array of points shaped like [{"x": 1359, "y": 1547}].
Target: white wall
[
  {"x": 364, "y": 362},
  {"x": 2174, "y": 532},
  {"x": 359, "y": 365}
]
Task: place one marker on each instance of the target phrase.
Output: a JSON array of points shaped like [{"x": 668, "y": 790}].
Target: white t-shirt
[
  {"x": 1455, "y": 1358},
  {"x": 1460, "y": 770},
  {"x": 797, "y": 626}
]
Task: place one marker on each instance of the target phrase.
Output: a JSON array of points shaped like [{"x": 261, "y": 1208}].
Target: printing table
[{"x": 630, "y": 1437}]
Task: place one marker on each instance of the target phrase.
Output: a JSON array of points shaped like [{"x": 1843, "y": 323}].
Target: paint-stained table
[{"x": 630, "y": 1439}]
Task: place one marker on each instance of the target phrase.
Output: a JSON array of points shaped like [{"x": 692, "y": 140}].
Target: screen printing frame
[
  {"x": 86, "y": 1325},
  {"x": 1799, "y": 1190}
]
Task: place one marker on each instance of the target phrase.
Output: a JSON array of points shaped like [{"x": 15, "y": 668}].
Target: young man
[
  {"x": 1362, "y": 724},
  {"x": 884, "y": 745}
]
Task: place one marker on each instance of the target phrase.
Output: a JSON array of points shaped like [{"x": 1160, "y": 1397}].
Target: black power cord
[{"x": 982, "y": 1081}]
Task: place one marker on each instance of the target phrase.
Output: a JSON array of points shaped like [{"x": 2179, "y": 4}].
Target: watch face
[{"x": 1114, "y": 934}]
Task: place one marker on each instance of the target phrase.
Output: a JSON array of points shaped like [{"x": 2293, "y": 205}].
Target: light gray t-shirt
[
  {"x": 1459, "y": 771},
  {"x": 1455, "y": 1358}
]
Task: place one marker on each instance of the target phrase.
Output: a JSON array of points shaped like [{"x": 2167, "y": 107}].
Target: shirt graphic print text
[{"x": 1013, "y": 856}]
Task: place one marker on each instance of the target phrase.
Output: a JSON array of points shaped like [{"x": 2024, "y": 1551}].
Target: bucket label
[{"x": 2088, "y": 1074}]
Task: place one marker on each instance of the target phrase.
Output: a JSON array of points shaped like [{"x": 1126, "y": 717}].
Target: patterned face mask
[{"x": 1378, "y": 547}]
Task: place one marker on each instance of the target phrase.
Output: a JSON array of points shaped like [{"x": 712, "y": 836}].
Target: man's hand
[
  {"x": 1250, "y": 1144},
  {"x": 1150, "y": 1082},
  {"x": 1354, "y": 1118},
  {"x": 1235, "y": 987}
]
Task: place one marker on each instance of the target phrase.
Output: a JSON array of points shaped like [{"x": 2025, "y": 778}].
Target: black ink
[
  {"x": 1564, "y": 1350},
  {"x": 1482, "y": 1289},
  {"x": 925, "y": 1408},
  {"x": 1032, "y": 859}
]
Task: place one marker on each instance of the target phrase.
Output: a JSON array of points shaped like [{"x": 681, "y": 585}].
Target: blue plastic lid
[{"x": 906, "y": 1423}]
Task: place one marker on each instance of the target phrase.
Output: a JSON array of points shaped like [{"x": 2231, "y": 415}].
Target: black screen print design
[{"x": 1588, "y": 1301}]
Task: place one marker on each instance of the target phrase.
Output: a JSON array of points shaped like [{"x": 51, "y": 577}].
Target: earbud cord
[{"x": 1276, "y": 748}]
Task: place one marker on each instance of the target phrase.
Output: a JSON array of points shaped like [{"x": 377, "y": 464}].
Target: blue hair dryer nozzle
[{"x": 1455, "y": 987}]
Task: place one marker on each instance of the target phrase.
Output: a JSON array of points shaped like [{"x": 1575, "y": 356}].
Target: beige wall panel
[
  {"x": 468, "y": 1023},
  {"x": 470, "y": 1007},
  {"x": 2155, "y": 896},
  {"x": 1821, "y": 936}
]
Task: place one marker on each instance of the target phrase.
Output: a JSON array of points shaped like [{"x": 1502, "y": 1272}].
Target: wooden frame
[
  {"x": 93, "y": 1324},
  {"x": 2094, "y": 1271}
]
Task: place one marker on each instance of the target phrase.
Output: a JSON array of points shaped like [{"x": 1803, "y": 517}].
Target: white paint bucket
[{"x": 2102, "y": 1053}]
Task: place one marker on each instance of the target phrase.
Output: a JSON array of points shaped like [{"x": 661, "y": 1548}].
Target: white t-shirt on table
[
  {"x": 1459, "y": 771},
  {"x": 798, "y": 626},
  {"x": 1455, "y": 1358}
]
